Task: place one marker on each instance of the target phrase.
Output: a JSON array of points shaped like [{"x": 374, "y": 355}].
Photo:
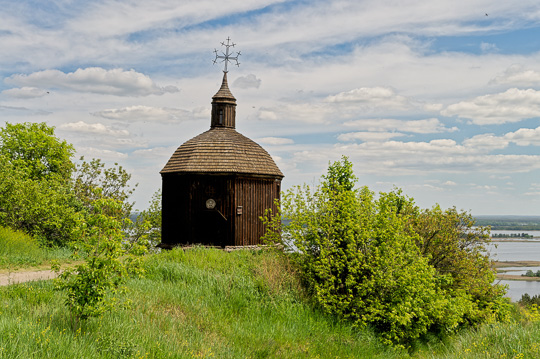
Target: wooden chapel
[{"x": 216, "y": 186}]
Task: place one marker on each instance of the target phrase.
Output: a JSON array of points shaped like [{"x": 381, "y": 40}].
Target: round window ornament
[{"x": 210, "y": 204}]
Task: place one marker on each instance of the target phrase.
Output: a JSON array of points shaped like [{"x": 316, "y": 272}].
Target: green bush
[
  {"x": 526, "y": 300},
  {"x": 92, "y": 286},
  {"x": 364, "y": 260}
]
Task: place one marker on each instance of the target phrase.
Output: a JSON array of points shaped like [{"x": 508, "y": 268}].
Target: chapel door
[{"x": 210, "y": 206}]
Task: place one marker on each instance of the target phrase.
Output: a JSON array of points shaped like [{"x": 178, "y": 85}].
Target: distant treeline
[
  {"x": 529, "y": 223},
  {"x": 530, "y": 273},
  {"x": 511, "y": 235}
]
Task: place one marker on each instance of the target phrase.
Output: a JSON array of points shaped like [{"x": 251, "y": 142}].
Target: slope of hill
[{"x": 207, "y": 303}]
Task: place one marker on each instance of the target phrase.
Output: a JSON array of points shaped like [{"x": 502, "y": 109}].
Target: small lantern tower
[{"x": 217, "y": 185}]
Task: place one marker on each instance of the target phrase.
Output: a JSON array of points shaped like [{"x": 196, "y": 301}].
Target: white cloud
[
  {"x": 246, "y": 82},
  {"x": 433, "y": 107},
  {"x": 369, "y": 136},
  {"x": 450, "y": 183},
  {"x": 106, "y": 155},
  {"x": 95, "y": 80},
  {"x": 521, "y": 137},
  {"x": 512, "y": 105},
  {"x": 352, "y": 104},
  {"x": 488, "y": 47},
  {"x": 23, "y": 111},
  {"x": 147, "y": 113},
  {"x": 372, "y": 97},
  {"x": 516, "y": 75},
  {"x": 202, "y": 112},
  {"x": 92, "y": 128},
  {"x": 275, "y": 141},
  {"x": 486, "y": 142},
  {"x": 418, "y": 158},
  {"x": 299, "y": 112},
  {"x": 524, "y": 137},
  {"x": 97, "y": 135},
  {"x": 139, "y": 15},
  {"x": 157, "y": 153},
  {"x": 25, "y": 92},
  {"x": 431, "y": 125}
]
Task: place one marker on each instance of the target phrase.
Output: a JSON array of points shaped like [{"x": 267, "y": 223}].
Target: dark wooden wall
[
  {"x": 254, "y": 195},
  {"x": 235, "y": 221},
  {"x": 240, "y": 202}
]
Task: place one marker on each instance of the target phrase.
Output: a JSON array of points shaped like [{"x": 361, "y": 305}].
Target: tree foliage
[
  {"x": 47, "y": 195},
  {"x": 35, "y": 183},
  {"x": 93, "y": 181},
  {"x": 34, "y": 149},
  {"x": 385, "y": 263},
  {"x": 456, "y": 247},
  {"x": 92, "y": 286},
  {"x": 146, "y": 228},
  {"x": 43, "y": 207}
]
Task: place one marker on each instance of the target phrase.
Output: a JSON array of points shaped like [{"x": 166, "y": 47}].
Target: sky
[{"x": 439, "y": 98}]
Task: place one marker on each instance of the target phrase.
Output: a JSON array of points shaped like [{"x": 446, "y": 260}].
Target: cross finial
[{"x": 227, "y": 57}]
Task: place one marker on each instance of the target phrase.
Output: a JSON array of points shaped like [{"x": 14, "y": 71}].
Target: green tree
[
  {"x": 45, "y": 208},
  {"x": 43, "y": 193},
  {"x": 36, "y": 151},
  {"x": 93, "y": 181}
]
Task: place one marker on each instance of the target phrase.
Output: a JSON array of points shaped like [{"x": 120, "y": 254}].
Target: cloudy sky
[{"x": 440, "y": 98}]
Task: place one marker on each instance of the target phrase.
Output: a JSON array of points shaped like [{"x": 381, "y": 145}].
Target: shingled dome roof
[{"x": 222, "y": 150}]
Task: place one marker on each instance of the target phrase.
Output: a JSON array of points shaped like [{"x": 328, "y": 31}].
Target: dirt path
[{"x": 20, "y": 277}]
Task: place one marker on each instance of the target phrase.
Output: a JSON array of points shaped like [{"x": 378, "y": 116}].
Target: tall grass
[
  {"x": 199, "y": 304},
  {"x": 18, "y": 249},
  {"x": 206, "y": 303}
]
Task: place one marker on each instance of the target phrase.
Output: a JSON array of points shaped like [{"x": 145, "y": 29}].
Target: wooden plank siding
[
  {"x": 255, "y": 195},
  {"x": 186, "y": 220}
]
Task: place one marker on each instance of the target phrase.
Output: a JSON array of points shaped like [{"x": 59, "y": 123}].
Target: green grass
[
  {"x": 18, "y": 250},
  {"x": 206, "y": 303}
]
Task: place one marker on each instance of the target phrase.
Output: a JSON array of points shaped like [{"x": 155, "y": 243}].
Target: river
[{"x": 518, "y": 251}]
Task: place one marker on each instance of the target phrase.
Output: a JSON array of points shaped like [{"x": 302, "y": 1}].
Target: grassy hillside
[
  {"x": 206, "y": 303},
  {"x": 18, "y": 250}
]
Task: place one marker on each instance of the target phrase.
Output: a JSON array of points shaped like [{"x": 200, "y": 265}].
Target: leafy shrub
[
  {"x": 365, "y": 259},
  {"x": 527, "y": 300},
  {"x": 92, "y": 286}
]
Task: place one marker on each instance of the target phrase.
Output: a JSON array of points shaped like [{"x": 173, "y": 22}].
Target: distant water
[
  {"x": 516, "y": 288},
  {"x": 515, "y": 251},
  {"x": 518, "y": 251}
]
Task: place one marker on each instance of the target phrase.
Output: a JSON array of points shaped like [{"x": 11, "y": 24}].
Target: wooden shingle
[{"x": 222, "y": 150}]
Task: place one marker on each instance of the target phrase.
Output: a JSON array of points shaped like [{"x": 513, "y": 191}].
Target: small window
[{"x": 221, "y": 117}]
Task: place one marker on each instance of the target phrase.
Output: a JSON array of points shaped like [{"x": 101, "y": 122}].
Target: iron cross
[{"x": 227, "y": 57}]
